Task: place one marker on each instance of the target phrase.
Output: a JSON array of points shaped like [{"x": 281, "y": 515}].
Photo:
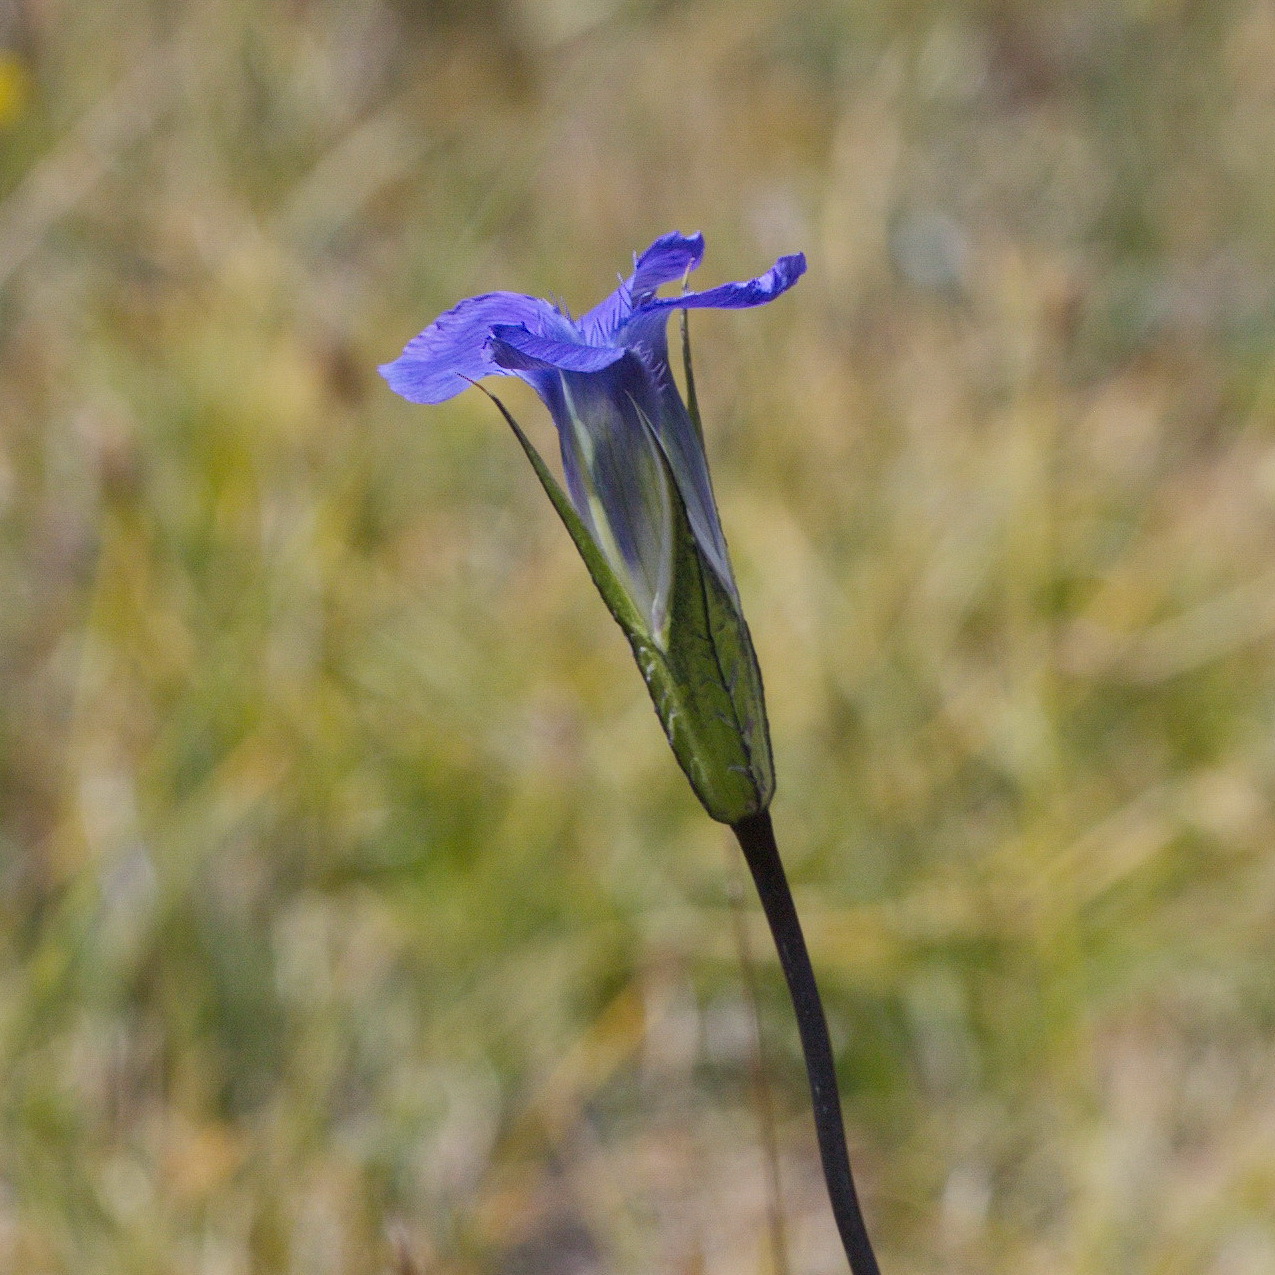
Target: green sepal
[
  {"x": 723, "y": 744},
  {"x": 731, "y": 642},
  {"x": 704, "y": 681},
  {"x": 692, "y": 399},
  {"x": 613, "y": 592}
]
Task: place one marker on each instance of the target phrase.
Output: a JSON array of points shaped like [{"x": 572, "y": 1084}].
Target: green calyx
[{"x": 701, "y": 669}]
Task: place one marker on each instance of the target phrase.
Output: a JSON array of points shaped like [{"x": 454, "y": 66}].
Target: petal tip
[
  {"x": 794, "y": 266},
  {"x": 418, "y": 382}
]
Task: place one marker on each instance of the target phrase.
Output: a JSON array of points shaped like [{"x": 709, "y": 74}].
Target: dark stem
[{"x": 756, "y": 836}]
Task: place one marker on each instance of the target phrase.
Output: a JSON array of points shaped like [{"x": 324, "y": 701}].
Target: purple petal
[
  {"x": 736, "y": 296},
  {"x": 452, "y": 351},
  {"x": 669, "y": 258},
  {"x": 620, "y": 489},
  {"x": 515, "y": 349}
]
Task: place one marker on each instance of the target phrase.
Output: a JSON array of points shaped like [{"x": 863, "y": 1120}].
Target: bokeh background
[{"x": 354, "y": 916}]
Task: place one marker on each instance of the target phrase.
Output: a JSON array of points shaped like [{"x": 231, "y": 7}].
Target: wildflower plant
[{"x": 639, "y": 505}]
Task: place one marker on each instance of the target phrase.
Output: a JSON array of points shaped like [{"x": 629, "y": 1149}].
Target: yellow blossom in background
[{"x": 15, "y": 87}]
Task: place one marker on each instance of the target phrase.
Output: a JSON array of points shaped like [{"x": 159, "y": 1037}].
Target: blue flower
[
  {"x": 639, "y": 503},
  {"x": 622, "y": 424}
]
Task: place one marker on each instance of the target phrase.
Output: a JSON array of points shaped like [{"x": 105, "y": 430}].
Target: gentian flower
[
  {"x": 639, "y": 506},
  {"x": 639, "y": 490}
]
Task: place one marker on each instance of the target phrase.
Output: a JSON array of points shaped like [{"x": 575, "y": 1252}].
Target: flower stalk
[{"x": 756, "y": 837}]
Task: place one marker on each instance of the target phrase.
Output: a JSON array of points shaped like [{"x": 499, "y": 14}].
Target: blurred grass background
[{"x": 353, "y": 914}]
